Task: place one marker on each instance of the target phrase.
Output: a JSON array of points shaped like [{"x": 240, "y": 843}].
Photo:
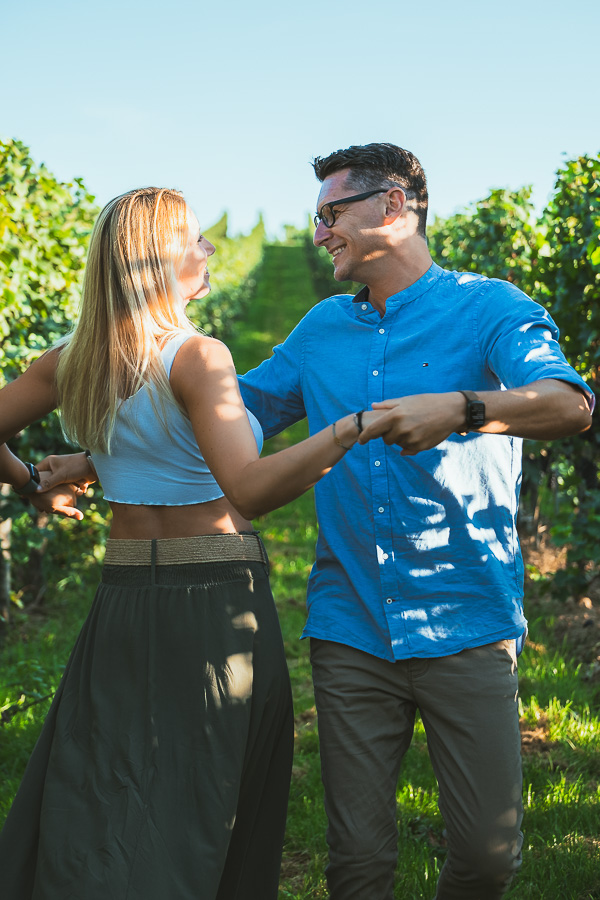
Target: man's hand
[
  {"x": 67, "y": 469},
  {"x": 418, "y": 422},
  {"x": 61, "y": 500}
]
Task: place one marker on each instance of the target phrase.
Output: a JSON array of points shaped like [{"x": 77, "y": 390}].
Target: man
[{"x": 415, "y": 599}]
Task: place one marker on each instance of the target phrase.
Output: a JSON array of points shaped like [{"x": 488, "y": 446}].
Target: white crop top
[{"x": 151, "y": 466}]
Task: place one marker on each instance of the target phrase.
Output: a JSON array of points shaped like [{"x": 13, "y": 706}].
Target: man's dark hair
[{"x": 380, "y": 165}]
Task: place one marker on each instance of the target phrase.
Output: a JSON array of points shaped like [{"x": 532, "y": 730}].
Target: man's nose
[{"x": 321, "y": 234}]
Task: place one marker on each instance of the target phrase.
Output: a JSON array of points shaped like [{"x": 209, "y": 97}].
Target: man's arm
[
  {"x": 543, "y": 410},
  {"x": 517, "y": 340},
  {"x": 273, "y": 391}
]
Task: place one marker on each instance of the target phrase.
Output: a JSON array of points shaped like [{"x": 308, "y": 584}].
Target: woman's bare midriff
[{"x": 147, "y": 522}]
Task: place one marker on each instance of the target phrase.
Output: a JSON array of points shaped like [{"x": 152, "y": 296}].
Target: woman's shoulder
[
  {"x": 45, "y": 365},
  {"x": 201, "y": 351},
  {"x": 201, "y": 363}
]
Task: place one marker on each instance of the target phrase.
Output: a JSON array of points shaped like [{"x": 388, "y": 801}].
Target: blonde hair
[{"x": 130, "y": 306}]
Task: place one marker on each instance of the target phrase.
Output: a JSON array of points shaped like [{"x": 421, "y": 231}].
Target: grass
[{"x": 559, "y": 703}]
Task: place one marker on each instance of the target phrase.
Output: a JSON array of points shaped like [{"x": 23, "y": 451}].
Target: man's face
[{"x": 351, "y": 240}]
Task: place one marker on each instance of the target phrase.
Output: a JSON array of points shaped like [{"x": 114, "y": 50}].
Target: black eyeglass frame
[{"x": 319, "y": 217}]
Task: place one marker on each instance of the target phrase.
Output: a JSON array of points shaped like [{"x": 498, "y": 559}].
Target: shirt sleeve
[
  {"x": 518, "y": 339},
  {"x": 273, "y": 391}
]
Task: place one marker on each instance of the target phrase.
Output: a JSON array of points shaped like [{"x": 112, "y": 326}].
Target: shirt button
[
  {"x": 375, "y": 371},
  {"x": 386, "y": 556},
  {"x": 381, "y": 509},
  {"x": 382, "y": 331},
  {"x": 364, "y": 306},
  {"x": 377, "y": 463},
  {"x": 389, "y": 600}
]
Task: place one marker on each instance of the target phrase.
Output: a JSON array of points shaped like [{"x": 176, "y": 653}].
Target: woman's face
[{"x": 193, "y": 276}]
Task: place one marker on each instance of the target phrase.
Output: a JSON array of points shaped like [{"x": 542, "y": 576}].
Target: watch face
[{"x": 476, "y": 413}]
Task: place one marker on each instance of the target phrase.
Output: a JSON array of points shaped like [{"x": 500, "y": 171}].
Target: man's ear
[{"x": 395, "y": 202}]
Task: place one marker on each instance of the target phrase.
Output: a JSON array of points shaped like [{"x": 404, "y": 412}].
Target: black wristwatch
[
  {"x": 32, "y": 485},
  {"x": 475, "y": 415}
]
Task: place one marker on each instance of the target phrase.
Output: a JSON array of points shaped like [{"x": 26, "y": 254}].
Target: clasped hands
[
  {"x": 417, "y": 422},
  {"x": 63, "y": 479}
]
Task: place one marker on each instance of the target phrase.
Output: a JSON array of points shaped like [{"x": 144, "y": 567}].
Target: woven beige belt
[{"x": 179, "y": 551}]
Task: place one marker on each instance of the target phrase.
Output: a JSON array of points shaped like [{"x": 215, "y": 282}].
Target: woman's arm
[
  {"x": 29, "y": 397},
  {"x": 23, "y": 401},
  {"x": 204, "y": 380},
  {"x": 12, "y": 470}
]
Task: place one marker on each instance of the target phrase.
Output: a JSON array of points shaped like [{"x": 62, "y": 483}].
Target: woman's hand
[{"x": 61, "y": 500}]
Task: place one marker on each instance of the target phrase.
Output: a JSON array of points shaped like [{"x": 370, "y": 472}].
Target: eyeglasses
[{"x": 326, "y": 214}]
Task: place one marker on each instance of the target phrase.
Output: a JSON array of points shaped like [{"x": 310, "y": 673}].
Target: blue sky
[{"x": 229, "y": 102}]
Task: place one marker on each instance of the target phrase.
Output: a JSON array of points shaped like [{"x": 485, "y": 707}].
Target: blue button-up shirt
[{"x": 416, "y": 556}]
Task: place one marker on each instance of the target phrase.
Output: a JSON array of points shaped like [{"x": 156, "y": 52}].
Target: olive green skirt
[{"x": 162, "y": 771}]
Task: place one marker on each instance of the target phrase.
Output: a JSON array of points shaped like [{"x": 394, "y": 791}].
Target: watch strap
[
  {"x": 358, "y": 420},
  {"x": 470, "y": 395},
  {"x": 32, "y": 485}
]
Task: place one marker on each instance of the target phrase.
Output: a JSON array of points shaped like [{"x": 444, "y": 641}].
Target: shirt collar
[{"x": 420, "y": 287}]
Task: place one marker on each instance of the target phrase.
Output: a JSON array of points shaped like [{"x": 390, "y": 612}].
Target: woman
[{"x": 163, "y": 767}]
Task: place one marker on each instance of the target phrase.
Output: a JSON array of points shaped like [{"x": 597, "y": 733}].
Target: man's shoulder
[
  {"x": 336, "y": 300},
  {"x": 475, "y": 284},
  {"x": 464, "y": 281},
  {"x": 328, "y": 308}
]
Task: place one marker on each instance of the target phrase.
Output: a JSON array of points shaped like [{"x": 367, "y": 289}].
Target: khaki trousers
[{"x": 366, "y": 709}]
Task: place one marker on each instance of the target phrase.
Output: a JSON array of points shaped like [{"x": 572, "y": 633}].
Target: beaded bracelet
[{"x": 337, "y": 440}]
